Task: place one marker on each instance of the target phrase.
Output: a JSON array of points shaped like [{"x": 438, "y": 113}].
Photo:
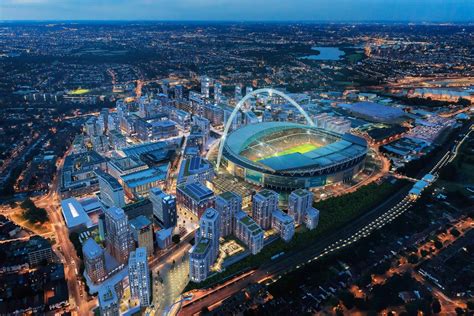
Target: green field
[
  {"x": 304, "y": 148},
  {"x": 79, "y": 91}
]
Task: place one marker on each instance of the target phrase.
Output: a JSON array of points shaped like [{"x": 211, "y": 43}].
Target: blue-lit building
[{"x": 138, "y": 184}]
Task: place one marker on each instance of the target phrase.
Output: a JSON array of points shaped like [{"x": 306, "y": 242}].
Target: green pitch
[{"x": 304, "y": 148}]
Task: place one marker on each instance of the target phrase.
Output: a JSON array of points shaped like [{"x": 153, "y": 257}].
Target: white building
[
  {"x": 248, "y": 231},
  {"x": 283, "y": 224},
  {"x": 299, "y": 202},
  {"x": 227, "y": 204},
  {"x": 139, "y": 276},
  {"x": 111, "y": 192},
  {"x": 200, "y": 260},
  {"x": 311, "y": 219},
  {"x": 263, "y": 204},
  {"x": 209, "y": 228}
]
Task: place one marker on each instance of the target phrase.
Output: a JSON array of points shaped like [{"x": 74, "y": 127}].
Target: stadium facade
[{"x": 287, "y": 156}]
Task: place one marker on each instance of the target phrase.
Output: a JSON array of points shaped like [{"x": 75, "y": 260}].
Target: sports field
[
  {"x": 303, "y": 148},
  {"x": 79, "y": 91}
]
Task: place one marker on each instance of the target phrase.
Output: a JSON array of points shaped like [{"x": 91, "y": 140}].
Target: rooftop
[
  {"x": 91, "y": 249},
  {"x": 140, "y": 222},
  {"x": 202, "y": 246},
  {"x": 196, "y": 191},
  {"x": 141, "y": 177},
  {"x": 114, "y": 184},
  {"x": 74, "y": 213}
]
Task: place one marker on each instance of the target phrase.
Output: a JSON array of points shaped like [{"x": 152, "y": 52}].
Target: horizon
[{"x": 322, "y": 11}]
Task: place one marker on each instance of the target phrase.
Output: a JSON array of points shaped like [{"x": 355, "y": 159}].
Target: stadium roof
[{"x": 347, "y": 147}]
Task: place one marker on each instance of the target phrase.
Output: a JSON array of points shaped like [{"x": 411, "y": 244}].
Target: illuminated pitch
[{"x": 302, "y": 149}]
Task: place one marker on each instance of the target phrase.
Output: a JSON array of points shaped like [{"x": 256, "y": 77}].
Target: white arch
[{"x": 270, "y": 91}]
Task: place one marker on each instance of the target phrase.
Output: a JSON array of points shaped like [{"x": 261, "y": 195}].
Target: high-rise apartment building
[{"x": 263, "y": 204}]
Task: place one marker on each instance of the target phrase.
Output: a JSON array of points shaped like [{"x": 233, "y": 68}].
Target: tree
[
  {"x": 176, "y": 239},
  {"x": 455, "y": 232},
  {"x": 436, "y": 306},
  {"x": 413, "y": 258},
  {"x": 347, "y": 299},
  {"x": 438, "y": 244}
]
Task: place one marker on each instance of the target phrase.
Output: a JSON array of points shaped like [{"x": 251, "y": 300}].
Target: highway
[{"x": 354, "y": 231}]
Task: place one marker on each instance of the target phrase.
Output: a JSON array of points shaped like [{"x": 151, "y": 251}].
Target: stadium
[{"x": 287, "y": 156}]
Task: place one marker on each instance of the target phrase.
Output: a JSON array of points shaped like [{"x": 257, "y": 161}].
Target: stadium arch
[{"x": 270, "y": 91}]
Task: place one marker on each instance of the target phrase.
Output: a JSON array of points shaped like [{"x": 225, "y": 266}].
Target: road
[
  {"x": 360, "y": 228},
  {"x": 64, "y": 248}
]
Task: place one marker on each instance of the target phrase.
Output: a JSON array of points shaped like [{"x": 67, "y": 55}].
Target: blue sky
[{"x": 240, "y": 10}]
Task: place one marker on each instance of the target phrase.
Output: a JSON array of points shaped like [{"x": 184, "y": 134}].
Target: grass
[
  {"x": 303, "y": 148},
  {"x": 79, "y": 91}
]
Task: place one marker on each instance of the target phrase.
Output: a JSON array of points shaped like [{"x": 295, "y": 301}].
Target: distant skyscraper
[
  {"x": 217, "y": 92},
  {"x": 164, "y": 207},
  {"x": 227, "y": 204},
  {"x": 205, "y": 86},
  {"x": 111, "y": 192},
  {"x": 118, "y": 237},
  {"x": 209, "y": 227},
  {"x": 94, "y": 260},
  {"x": 139, "y": 276},
  {"x": 142, "y": 232},
  {"x": 264, "y": 203},
  {"x": 238, "y": 93},
  {"x": 299, "y": 202}
]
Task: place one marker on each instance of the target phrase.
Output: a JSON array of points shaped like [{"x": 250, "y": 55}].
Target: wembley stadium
[{"x": 288, "y": 156}]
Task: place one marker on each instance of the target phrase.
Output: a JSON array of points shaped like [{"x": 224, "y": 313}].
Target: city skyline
[{"x": 419, "y": 11}]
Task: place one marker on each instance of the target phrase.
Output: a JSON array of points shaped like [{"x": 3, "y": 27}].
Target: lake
[{"x": 326, "y": 53}]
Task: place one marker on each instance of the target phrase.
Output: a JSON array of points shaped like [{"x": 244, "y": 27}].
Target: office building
[
  {"x": 194, "y": 198},
  {"x": 195, "y": 169},
  {"x": 109, "y": 302},
  {"x": 200, "y": 260},
  {"x": 263, "y": 204},
  {"x": 142, "y": 232},
  {"x": 299, "y": 202},
  {"x": 209, "y": 228},
  {"x": 111, "y": 192},
  {"x": 138, "y": 184},
  {"x": 164, "y": 207},
  {"x": 163, "y": 238},
  {"x": 227, "y": 204},
  {"x": 94, "y": 260},
  {"x": 118, "y": 237},
  {"x": 283, "y": 224},
  {"x": 248, "y": 231},
  {"x": 139, "y": 276}
]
